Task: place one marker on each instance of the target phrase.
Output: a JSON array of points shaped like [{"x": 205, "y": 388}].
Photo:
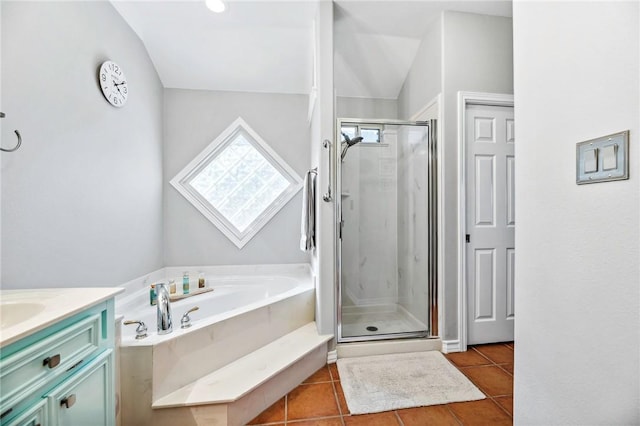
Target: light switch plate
[{"x": 603, "y": 159}]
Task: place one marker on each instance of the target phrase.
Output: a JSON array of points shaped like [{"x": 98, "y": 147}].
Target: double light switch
[
  {"x": 608, "y": 154},
  {"x": 602, "y": 159}
]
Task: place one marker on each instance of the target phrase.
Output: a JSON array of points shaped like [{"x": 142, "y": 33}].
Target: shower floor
[{"x": 386, "y": 319}]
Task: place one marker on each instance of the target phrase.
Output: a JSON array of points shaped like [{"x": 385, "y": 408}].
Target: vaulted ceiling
[
  {"x": 375, "y": 42},
  {"x": 266, "y": 46},
  {"x": 254, "y": 46}
]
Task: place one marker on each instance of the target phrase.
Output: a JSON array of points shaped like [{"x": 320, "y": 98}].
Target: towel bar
[{"x": 327, "y": 196}]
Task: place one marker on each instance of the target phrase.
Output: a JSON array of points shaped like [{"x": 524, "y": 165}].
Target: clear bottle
[
  {"x": 172, "y": 286},
  {"x": 201, "y": 281},
  {"x": 153, "y": 298},
  {"x": 185, "y": 283}
]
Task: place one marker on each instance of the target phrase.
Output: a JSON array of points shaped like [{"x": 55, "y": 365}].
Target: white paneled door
[{"x": 490, "y": 223}]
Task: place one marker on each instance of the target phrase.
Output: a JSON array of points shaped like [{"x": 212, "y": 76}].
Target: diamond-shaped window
[{"x": 238, "y": 182}]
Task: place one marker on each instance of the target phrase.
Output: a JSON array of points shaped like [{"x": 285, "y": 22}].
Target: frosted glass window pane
[
  {"x": 350, "y": 131},
  {"x": 240, "y": 183},
  {"x": 370, "y": 135}
]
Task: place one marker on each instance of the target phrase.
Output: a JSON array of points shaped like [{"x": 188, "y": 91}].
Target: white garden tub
[
  {"x": 232, "y": 295},
  {"x": 250, "y": 307}
]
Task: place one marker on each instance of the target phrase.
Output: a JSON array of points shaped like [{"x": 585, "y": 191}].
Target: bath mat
[{"x": 378, "y": 383}]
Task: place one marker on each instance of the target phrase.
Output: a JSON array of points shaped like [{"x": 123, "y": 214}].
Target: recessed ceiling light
[{"x": 216, "y": 6}]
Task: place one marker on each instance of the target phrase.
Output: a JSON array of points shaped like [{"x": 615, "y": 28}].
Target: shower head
[{"x": 349, "y": 143}]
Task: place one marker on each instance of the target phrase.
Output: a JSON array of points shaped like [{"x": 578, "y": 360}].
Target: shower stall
[{"x": 386, "y": 235}]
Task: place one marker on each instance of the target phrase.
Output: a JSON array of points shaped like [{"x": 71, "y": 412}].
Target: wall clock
[{"x": 113, "y": 83}]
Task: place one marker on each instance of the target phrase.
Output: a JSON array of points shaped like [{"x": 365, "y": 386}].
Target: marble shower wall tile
[
  {"x": 369, "y": 247},
  {"x": 412, "y": 221}
]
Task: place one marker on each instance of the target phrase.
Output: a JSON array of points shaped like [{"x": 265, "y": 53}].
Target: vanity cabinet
[
  {"x": 62, "y": 375},
  {"x": 35, "y": 416},
  {"x": 85, "y": 398}
]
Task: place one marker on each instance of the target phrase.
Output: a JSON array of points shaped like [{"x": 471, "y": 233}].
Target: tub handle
[
  {"x": 141, "y": 330},
  {"x": 185, "y": 322}
]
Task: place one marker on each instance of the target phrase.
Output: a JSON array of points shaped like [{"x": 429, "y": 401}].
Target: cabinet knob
[
  {"x": 51, "y": 361},
  {"x": 68, "y": 401}
]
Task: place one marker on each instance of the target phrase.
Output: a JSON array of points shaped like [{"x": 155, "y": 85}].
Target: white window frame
[{"x": 181, "y": 182}]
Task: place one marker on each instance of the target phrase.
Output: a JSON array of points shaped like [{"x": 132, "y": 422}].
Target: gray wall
[
  {"x": 1, "y": 153},
  {"x": 82, "y": 198},
  {"x": 424, "y": 80},
  {"x": 194, "y": 118},
  {"x": 577, "y": 274},
  {"x": 347, "y": 107},
  {"x": 478, "y": 57}
]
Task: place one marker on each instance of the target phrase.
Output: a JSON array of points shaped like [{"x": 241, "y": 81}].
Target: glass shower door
[{"x": 385, "y": 232}]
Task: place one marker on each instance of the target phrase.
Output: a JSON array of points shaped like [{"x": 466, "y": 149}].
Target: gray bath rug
[{"x": 388, "y": 382}]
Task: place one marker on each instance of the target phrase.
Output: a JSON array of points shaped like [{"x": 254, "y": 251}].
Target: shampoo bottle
[{"x": 185, "y": 283}]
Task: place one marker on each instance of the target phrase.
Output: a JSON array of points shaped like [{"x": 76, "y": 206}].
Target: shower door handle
[{"x": 327, "y": 196}]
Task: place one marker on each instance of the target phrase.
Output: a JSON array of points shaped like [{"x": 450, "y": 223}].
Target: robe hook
[{"x": 2, "y": 115}]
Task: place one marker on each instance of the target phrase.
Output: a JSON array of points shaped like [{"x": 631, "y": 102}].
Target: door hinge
[{"x": 468, "y": 238}]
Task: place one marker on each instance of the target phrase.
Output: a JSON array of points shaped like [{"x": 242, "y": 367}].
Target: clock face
[{"x": 113, "y": 84}]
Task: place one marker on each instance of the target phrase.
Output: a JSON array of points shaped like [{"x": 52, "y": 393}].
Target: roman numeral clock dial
[{"x": 113, "y": 84}]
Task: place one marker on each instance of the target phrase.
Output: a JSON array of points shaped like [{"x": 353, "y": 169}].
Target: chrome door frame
[{"x": 432, "y": 227}]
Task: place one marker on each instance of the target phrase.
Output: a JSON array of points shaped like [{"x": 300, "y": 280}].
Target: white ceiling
[
  {"x": 266, "y": 45},
  {"x": 254, "y": 46}
]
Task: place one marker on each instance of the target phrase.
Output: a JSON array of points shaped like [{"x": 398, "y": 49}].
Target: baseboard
[
  {"x": 332, "y": 356},
  {"x": 449, "y": 346}
]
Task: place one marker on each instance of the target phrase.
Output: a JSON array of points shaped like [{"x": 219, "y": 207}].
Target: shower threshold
[{"x": 385, "y": 347}]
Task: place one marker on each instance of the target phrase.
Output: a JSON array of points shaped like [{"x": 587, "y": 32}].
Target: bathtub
[
  {"x": 232, "y": 295},
  {"x": 249, "y": 307}
]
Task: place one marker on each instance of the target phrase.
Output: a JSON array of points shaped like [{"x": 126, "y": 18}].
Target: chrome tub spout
[{"x": 165, "y": 323}]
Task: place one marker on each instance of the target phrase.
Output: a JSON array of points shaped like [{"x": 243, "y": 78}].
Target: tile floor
[{"x": 319, "y": 400}]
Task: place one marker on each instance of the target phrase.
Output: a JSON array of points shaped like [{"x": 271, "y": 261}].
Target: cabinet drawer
[
  {"x": 86, "y": 399},
  {"x": 26, "y": 370},
  {"x": 34, "y": 416}
]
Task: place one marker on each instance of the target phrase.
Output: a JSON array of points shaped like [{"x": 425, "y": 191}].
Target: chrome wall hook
[{"x": 2, "y": 115}]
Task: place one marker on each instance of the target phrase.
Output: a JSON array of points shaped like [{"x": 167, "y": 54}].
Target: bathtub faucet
[{"x": 165, "y": 324}]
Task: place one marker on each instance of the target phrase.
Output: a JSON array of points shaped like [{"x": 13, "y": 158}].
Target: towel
[{"x": 308, "y": 223}]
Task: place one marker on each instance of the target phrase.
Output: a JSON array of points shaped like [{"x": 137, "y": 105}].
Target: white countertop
[{"x": 40, "y": 308}]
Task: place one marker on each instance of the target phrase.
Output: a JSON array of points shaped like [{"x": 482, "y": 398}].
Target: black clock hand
[
  {"x": 116, "y": 85},
  {"x": 120, "y": 84}
]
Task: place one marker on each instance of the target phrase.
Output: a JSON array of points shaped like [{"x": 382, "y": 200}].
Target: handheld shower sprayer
[{"x": 348, "y": 142}]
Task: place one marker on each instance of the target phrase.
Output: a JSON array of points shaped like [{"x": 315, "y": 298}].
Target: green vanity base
[{"x": 62, "y": 375}]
